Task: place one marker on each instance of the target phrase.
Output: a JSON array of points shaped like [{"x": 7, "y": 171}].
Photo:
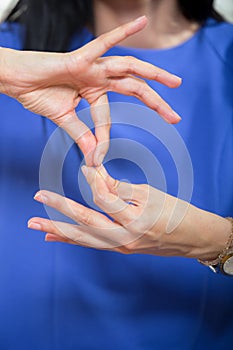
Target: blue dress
[{"x": 59, "y": 297}]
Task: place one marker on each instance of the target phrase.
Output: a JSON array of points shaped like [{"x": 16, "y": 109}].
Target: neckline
[
  {"x": 188, "y": 42},
  {"x": 179, "y": 46}
]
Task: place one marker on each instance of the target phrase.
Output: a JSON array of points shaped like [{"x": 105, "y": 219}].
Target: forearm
[
  {"x": 4, "y": 70},
  {"x": 208, "y": 232}
]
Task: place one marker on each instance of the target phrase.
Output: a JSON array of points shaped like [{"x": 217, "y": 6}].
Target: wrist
[
  {"x": 3, "y": 69},
  {"x": 200, "y": 235},
  {"x": 224, "y": 261},
  {"x": 213, "y": 232}
]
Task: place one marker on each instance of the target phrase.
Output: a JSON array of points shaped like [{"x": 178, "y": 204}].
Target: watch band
[
  {"x": 226, "y": 264},
  {"x": 217, "y": 265}
]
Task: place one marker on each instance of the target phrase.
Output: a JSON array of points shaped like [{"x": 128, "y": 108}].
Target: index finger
[
  {"x": 104, "y": 42},
  {"x": 100, "y": 113}
]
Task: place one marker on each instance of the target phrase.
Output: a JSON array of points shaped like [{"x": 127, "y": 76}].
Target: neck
[{"x": 167, "y": 26}]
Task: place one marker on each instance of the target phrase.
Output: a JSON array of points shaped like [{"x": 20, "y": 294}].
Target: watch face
[{"x": 228, "y": 266}]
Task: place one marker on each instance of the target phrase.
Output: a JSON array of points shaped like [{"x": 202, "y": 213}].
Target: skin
[
  {"x": 166, "y": 27},
  {"x": 52, "y": 85},
  {"x": 142, "y": 216},
  {"x": 139, "y": 226}
]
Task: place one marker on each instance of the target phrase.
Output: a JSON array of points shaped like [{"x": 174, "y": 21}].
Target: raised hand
[{"x": 52, "y": 85}]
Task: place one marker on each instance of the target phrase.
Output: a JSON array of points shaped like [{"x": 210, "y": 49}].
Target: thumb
[{"x": 125, "y": 190}]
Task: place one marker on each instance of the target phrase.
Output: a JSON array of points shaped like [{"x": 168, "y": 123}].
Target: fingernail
[
  {"x": 84, "y": 170},
  {"x": 176, "y": 76},
  {"x": 41, "y": 197},
  {"x": 173, "y": 117},
  {"x": 50, "y": 238},
  {"x": 178, "y": 118},
  {"x": 139, "y": 19},
  {"x": 34, "y": 225}
]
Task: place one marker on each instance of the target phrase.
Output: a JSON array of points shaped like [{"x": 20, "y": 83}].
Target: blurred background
[{"x": 224, "y": 7}]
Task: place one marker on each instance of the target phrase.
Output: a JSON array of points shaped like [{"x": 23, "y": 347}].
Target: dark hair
[
  {"x": 50, "y": 24},
  {"x": 199, "y": 10}
]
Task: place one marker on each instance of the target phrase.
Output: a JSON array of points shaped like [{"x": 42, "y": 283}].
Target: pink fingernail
[
  {"x": 41, "y": 197},
  {"x": 176, "y": 76},
  {"x": 172, "y": 117},
  {"x": 50, "y": 238},
  {"x": 139, "y": 19},
  {"x": 34, "y": 225},
  {"x": 178, "y": 118}
]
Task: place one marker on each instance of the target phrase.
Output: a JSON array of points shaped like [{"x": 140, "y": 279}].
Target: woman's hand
[
  {"x": 145, "y": 220},
  {"x": 52, "y": 85}
]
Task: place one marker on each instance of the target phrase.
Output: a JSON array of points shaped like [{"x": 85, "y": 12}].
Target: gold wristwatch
[{"x": 224, "y": 262}]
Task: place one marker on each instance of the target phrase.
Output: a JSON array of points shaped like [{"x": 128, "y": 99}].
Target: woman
[{"x": 88, "y": 299}]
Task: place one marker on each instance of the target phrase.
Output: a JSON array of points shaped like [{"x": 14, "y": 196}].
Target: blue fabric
[{"x": 56, "y": 296}]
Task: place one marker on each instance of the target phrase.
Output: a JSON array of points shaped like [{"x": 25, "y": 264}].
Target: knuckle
[
  {"x": 143, "y": 89},
  {"x": 106, "y": 40},
  {"x": 134, "y": 90},
  {"x": 130, "y": 248},
  {"x": 107, "y": 66},
  {"x": 74, "y": 237},
  {"x": 102, "y": 37},
  {"x": 78, "y": 238},
  {"x": 157, "y": 76},
  {"x": 85, "y": 217},
  {"x": 140, "y": 89},
  {"x": 123, "y": 250},
  {"x": 130, "y": 64}
]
